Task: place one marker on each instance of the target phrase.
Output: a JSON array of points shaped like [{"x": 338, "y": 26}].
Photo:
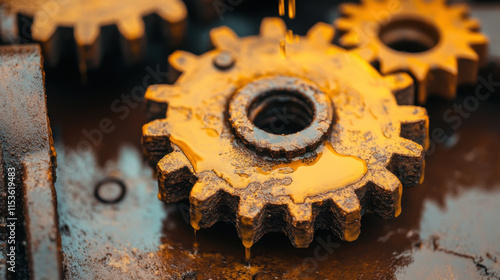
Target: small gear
[
  {"x": 271, "y": 143},
  {"x": 88, "y": 19},
  {"x": 439, "y": 45}
]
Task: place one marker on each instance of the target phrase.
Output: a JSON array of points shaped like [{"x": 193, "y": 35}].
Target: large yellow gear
[
  {"x": 439, "y": 45},
  {"x": 271, "y": 143}
]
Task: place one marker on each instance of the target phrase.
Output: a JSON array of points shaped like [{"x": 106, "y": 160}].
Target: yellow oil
[
  {"x": 282, "y": 7},
  {"x": 291, "y": 9},
  {"x": 289, "y": 37},
  {"x": 247, "y": 255}
]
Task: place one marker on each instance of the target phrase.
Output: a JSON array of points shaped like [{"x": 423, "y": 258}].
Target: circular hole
[
  {"x": 110, "y": 191},
  {"x": 411, "y": 36},
  {"x": 281, "y": 112}
]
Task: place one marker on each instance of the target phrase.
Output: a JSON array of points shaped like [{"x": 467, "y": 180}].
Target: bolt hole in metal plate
[{"x": 409, "y": 35}]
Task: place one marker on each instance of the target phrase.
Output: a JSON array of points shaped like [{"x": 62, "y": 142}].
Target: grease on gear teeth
[
  {"x": 439, "y": 45},
  {"x": 208, "y": 146},
  {"x": 87, "y": 19}
]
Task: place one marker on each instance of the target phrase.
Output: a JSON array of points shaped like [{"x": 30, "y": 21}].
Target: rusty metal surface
[
  {"x": 93, "y": 25},
  {"x": 26, "y": 140},
  {"x": 440, "y": 46}
]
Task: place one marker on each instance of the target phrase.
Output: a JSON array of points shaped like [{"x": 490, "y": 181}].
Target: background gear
[
  {"x": 439, "y": 45},
  {"x": 88, "y": 19}
]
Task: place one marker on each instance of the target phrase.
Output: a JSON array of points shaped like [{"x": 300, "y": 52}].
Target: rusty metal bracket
[{"x": 29, "y": 162}]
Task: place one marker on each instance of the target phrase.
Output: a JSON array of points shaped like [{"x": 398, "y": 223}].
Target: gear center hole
[
  {"x": 281, "y": 112},
  {"x": 409, "y": 35}
]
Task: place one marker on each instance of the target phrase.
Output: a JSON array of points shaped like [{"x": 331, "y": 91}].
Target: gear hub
[
  {"x": 439, "y": 45},
  {"x": 271, "y": 143}
]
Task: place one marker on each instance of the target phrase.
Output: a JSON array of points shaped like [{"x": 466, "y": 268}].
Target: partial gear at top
[
  {"x": 439, "y": 45},
  {"x": 271, "y": 143},
  {"x": 87, "y": 19}
]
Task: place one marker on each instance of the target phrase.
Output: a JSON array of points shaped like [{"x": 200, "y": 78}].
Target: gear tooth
[
  {"x": 42, "y": 30},
  {"x": 459, "y": 10},
  {"x": 344, "y": 24},
  {"x": 407, "y": 162},
  {"x": 174, "y": 12},
  {"x": 45, "y": 32},
  {"x": 133, "y": 32},
  {"x": 249, "y": 221},
  {"x": 468, "y": 64},
  {"x": 208, "y": 185},
  {"x": 86, "y": 33},
  {"x": 301, "y": 233},
  {"x": 467, "y": 53},
  {"x": 414, "y": 124},
  {"x": 157, "y": 99},
  {"x": 347, "y": 211},
  {"x": 350, "y": 40},
  {"x": 420, "y": 72},
  {"x": 387, "y": 192},
  {"x": 86, "y": 37},
  {"x": 131, "y": 27},
  {"x": 444, "y": 75},
  {"x": 419, "y": 69},
  {"x": 175, "y": 176},
  {"x": 224, "y": 38},
  {"x": 155, "y": 140},
  {"x": 475, "y": 38},
  {"x": 402, "y": 87},
  {"x": 473, "y": 24},
  {"x": 272, "y": 28},
  {"x": 449, "y": 64},
  {"x": 349, "y": 9},
  {"x": 182, "y": 60},
  {"x": 366, "y": 53},
  {"x": 8, "y": 25},
  {"x": 388, "y": 66},
  {"x": 204, "y": 198},
  {"x": 161, "y": 92},
  {"x": 409, "y": 148},
  {"x": 321, "y": 32},
  {"x": 479, "y": 42}
]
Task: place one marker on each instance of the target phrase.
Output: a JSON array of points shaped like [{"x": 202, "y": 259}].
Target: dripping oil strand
[
  {"x": 289, "y": 36},
  {"x": 291, "y": 9},
  {"x": 247, "y": 256},
  {"x": 282, "y": 7},
  {"x": 283, "y": 48},
  {"x": 195, "y": 243}
]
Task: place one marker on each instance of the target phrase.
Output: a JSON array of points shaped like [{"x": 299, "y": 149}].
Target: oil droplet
[
  {"x": 289, "y": 36},
  {"x": 283, "y": 48},
  {"x": 282, "y": 7},
  {"x": 247, "y": 255},
  {"x": 291, "y": 9},
  {"x": 195, "y": 243}
]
